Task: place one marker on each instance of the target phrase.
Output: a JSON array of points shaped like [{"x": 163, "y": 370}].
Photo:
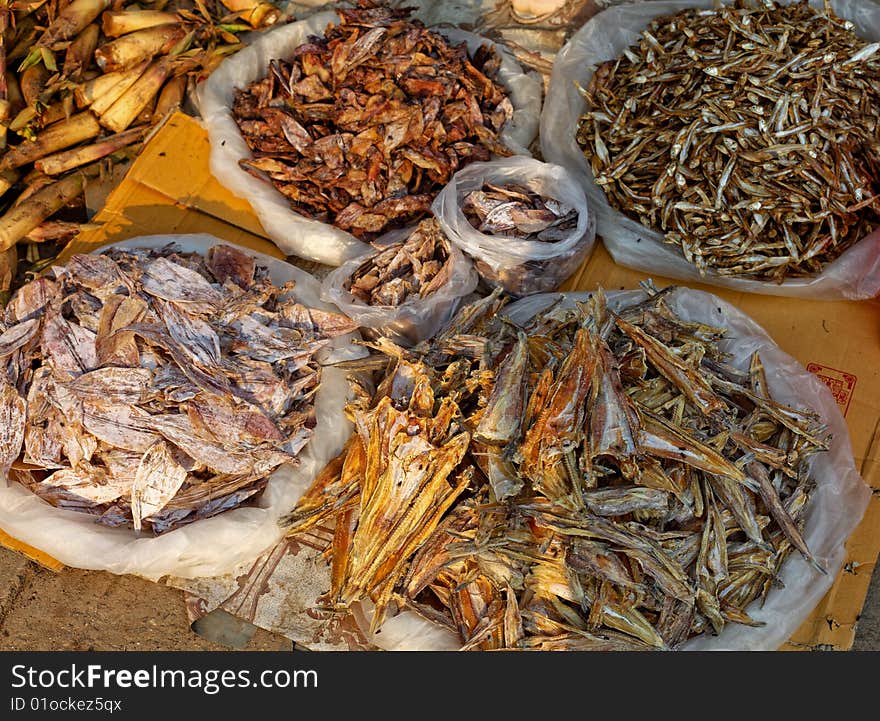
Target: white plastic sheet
[
  {"x": 294, "y": 233},
  {"x": 854, "y": 275},
  {"x": 835, "y": 508},
  {"x": 211, "y": 546},
  {"x": 519, "y": 266}
]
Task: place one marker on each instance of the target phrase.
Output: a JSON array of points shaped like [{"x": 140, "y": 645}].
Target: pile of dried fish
[
  {"x": 518, "y": 211},
  {"x": 413, "y": 267},
  {"x": 362, "y": 127},
  {"x": 154, "y": 388},
  {"x": 82, "y": 82},
  {"x": 747, "y": 135},
  {"x": 591, "y": 481}
]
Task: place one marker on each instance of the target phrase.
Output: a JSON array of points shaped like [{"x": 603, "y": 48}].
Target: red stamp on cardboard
[{"x": 841, "y": 383}]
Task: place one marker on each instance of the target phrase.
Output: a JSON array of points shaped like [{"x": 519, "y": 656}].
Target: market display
[
  {"x": 155, "y": 388},
  {"x": 362, "y": 127},
  {"x": 81, "y": 85},
  {"x": 592, "y": 480},
  {"x": 745, "y": 134}
]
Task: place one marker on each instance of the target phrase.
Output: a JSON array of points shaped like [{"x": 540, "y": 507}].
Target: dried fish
[
  {"x": 67, "y": 70},
  {"x": 581, "y": 482},
  {"x": 156, "y": 481},
  {"x": 413, "y": 267},
  {"x": 161, "y": 387},
  {"x": 363, "y": 126},
  {"x": 13, "y": 411},
  {"x": 746, "y": 135}
]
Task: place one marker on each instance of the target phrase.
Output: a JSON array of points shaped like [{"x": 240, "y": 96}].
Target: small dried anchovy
[
  {"x": 590, "y": 481},
  {"x": 747, "y": 135},
  {"x": 518, "y": 211},
  {"x": 411, "y": 268},
  {"x": 154, "y": 388},
  {"x": 362, "y": 127}
]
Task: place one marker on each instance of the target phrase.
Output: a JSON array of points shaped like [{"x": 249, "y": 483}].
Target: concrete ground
[{"x": 89, "y": 610}]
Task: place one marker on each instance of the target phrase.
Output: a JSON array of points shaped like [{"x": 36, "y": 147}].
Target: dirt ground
[
  {"x": 94, "y": 611},
  {"x": 89, "y": 610}
]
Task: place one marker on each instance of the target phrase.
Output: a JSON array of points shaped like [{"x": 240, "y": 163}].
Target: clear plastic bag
[
  {"x": 854, "y": 275},
  {"x": 519, "y": 266},
  {"x": 211, "y": 546},
  {"x": 294, "y": 233},
  {"x": 835, "y": 508},
  {"x": 414, "y": 320}
]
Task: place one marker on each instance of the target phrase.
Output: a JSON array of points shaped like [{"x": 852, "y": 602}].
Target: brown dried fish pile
[
  {"x": 154, "y": 388},
  {"x": 747, "y": 135},
  {"x": 518, "y": 211},
  {"x": 593, "y": 481},
  {"x": 362, "y": 127},
  {"x": 413, "y": 267}
]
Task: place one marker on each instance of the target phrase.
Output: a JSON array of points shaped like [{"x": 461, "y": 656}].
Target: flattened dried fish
[
  {"x": 156, "y": 481},
  {"x": 171, "y": 281},
  {"x": 13, "y": 411},
  {"x": 363, "y": 126}
]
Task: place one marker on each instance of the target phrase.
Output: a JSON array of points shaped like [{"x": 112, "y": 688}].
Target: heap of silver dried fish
[
  {"x": 413, "y": 267},
  {"x": 747, "y": 135},
  {"x": 154, "y": 388},
  {"x": 362, "y": 127},
  {"x": 591, "y": 481},
  {"x": 518, "y": 211}
]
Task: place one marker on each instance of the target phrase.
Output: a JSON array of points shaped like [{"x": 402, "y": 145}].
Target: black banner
[{"x": 130, "y": 684}]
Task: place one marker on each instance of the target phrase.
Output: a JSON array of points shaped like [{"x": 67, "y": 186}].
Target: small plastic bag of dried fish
[
  {"x": 525, "y": 223},
  {"x": 137, "y": 388},
  {"x": 398, "y": 183},
  {"x": 407, "y": 288},
  {"x": 759, "y": 262}
]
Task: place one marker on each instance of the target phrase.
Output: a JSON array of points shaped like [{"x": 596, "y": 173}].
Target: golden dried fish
[
  {"x": 145, "y": 369},
  {"x": 587, "y": 481},
  {"x": 746, "y": 135}
]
